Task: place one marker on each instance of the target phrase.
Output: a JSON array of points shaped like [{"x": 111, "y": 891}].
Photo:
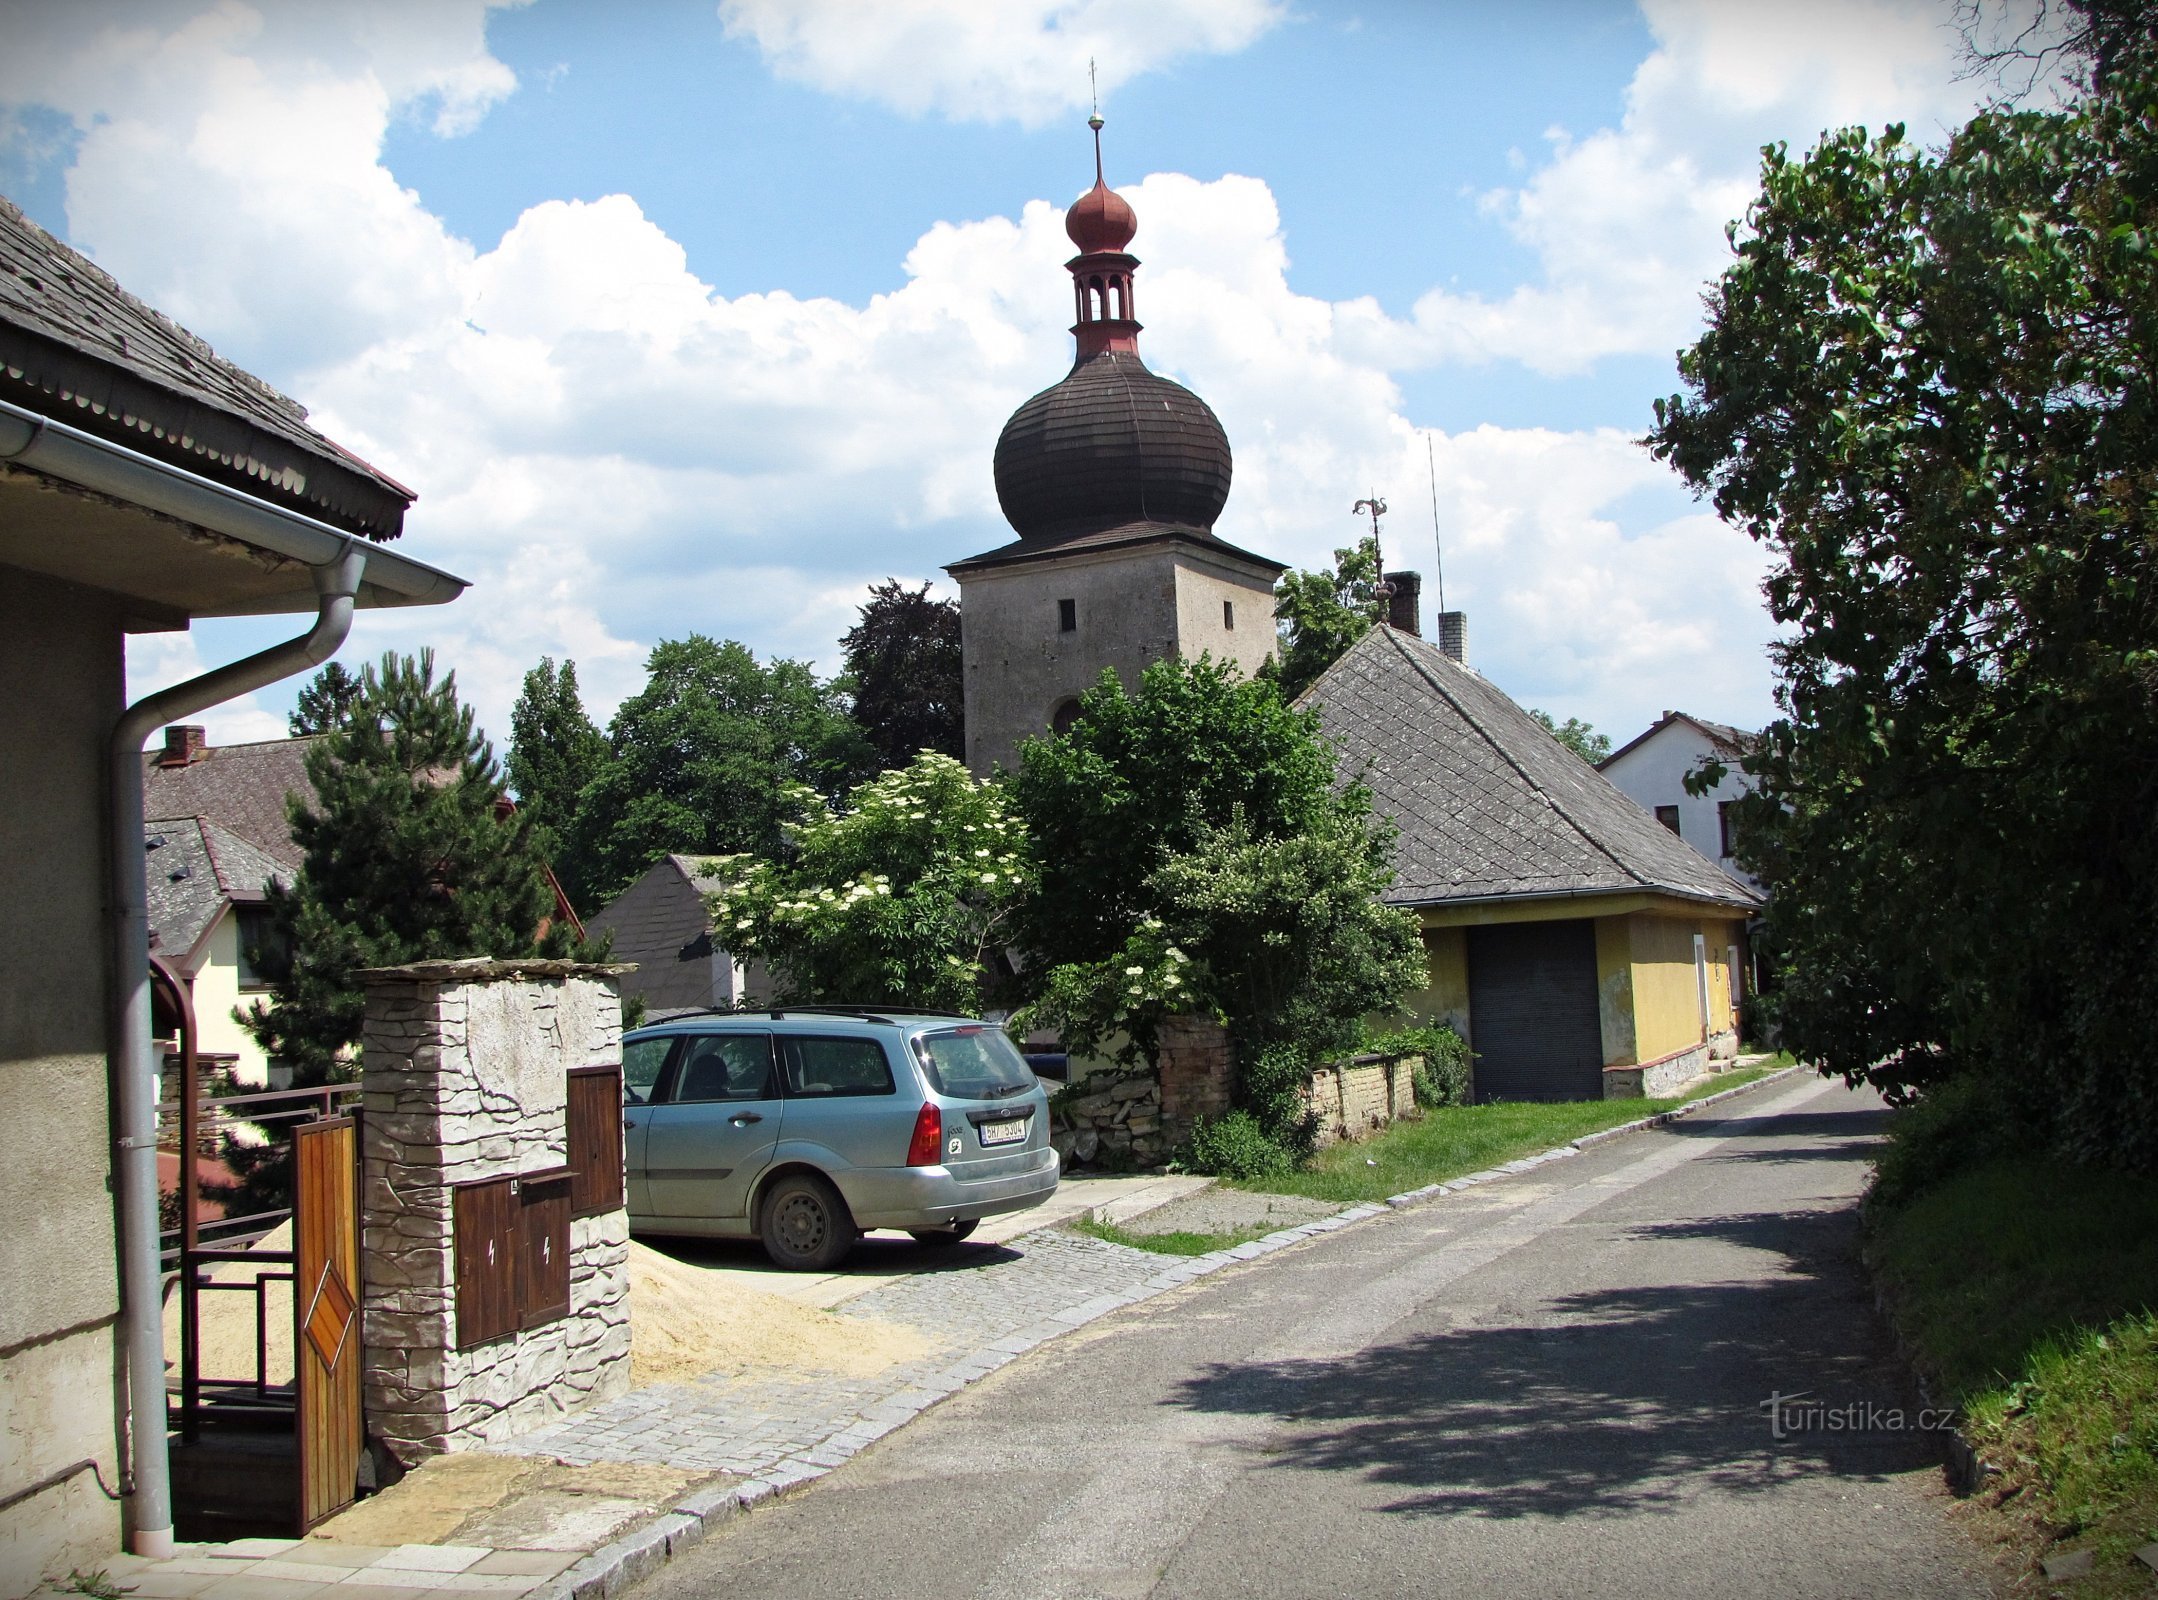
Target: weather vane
[
  {"x": 1377, "y": 508},
  {"x": 1093, "y": 90}
]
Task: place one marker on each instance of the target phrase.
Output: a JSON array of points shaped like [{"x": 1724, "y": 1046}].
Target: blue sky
[{"x": 683, "y": 316}]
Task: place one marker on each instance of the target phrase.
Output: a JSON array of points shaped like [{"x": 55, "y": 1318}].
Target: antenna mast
[{"x": 1438, "y": 542}]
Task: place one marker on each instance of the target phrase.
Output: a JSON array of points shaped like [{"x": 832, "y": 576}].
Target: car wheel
[
  {"x": 949, "y": 1235},
  {"x": 806, "y": 1227}
]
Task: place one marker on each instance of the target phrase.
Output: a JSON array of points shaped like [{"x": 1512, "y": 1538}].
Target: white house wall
[{"x": 1653, "y": 773}]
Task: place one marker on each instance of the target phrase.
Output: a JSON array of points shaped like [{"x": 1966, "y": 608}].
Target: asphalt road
[{"x": 1550, "y": 1385}]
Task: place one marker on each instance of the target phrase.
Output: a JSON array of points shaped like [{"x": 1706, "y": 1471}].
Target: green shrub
[
  {"x": 1444, "y": 1078},
  {"x": 1953, "y": 1125},
  {"x": 1234, "y": 1146}
]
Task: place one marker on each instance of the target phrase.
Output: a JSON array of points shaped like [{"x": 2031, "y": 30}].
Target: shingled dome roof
[{"x": 1112, "y": 446}]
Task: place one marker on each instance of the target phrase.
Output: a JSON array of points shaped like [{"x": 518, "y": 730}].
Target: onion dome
[{"x": 1112, "y": 446}]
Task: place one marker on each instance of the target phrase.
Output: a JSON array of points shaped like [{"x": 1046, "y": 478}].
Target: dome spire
[{"x": 1101, "y": 223}]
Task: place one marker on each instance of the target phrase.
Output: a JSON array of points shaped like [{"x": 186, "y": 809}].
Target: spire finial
[{"x": 1094, "y": 121}]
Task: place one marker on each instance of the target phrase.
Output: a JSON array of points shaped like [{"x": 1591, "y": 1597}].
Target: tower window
[
  {"x": 1067, "y": 616},
  {"x": 1228, "y": 615},
  {"x": 1064, "y": 716}
]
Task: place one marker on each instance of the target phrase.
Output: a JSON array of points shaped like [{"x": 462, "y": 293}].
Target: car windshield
[{"x": 976, "y": 1062}]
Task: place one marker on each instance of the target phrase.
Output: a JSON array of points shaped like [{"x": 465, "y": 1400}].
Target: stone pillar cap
[{"x": 486, "y": 969}]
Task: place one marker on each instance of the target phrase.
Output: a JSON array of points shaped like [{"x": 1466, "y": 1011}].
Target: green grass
[
  {"x": 1452, "y": 1141},
  {"x": 2026, "y": 1289},
  {"x": 1168, "y": 1244}
]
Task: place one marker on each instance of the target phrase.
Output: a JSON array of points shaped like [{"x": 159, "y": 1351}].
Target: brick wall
[
  {"x": 1356, "y": 1098},
  {"x": 1196, "y": 1064}
]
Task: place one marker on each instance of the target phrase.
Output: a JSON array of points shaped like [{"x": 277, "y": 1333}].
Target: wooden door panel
[{"x": 326, "y": 1353}]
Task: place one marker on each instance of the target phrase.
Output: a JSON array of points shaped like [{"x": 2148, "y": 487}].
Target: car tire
[
  {"x": 805, "y": 1225},
  {"x": 946, "y": 1235}
]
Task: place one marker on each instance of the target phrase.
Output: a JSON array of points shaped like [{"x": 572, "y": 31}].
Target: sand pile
[
  {"x": 228, "y": 1318},
  {"x": 686, "y": 1320}
]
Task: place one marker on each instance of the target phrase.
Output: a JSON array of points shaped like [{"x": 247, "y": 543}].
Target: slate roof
[
  {"x": 194, "y": 869},
  {"x": 241, "y": 787},
  {"x": 661, "y": 924},
  {"x": 1729, "y": 741},
  {"x": 1489, "y": 805},
  {"x": 76, "y": 346}
]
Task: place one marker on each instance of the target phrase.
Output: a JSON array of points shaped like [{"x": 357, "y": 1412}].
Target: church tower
[{"x": 1112, "y": 479}]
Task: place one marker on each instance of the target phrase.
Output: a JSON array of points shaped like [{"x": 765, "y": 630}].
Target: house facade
[
  {"x": 143, "y": 483},
  {"x": 662, "y": 924},
  {"x": 1112, "y": 479},
  {"x": 1582, "y": 950},
  {"x": 208, "y": 897},
  {"x": 1651, "y": 768}
]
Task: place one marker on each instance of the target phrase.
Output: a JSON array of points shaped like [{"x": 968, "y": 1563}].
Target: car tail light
[{"x": 928, "y": 1138}]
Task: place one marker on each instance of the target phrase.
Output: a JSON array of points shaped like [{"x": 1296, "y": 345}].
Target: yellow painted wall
[
  {"x": 216, "y": 985},
  {"x": 1445, "y": 996},
  {"x": 1614, "y": 989},
  {"x": 1666, "y": 986}
]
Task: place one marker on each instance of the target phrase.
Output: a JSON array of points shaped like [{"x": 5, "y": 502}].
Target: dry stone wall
[
  {"x": 1112, "y": 1120},
  {"x": 464, "y": 1077}
]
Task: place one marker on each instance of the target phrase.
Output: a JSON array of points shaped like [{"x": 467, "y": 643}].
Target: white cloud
[
  {"x": 1627, "y": 222},
  {"x": 1023, "y": 61},
  {"x": 616, "y": 453}
]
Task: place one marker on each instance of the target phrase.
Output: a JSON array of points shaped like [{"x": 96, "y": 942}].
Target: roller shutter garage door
[{"x": 1532, "y": 1011}]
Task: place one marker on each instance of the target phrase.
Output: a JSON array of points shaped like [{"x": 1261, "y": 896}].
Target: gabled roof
[
  {"x": 1489, "y": 806},
  {"x": 194, "y": 869},
  {"x": 1730, "y": 742},
  {"x": 241, "y": 787},
  {"x": 660, "y": 923},
  {"x": 77, "y": 346}
]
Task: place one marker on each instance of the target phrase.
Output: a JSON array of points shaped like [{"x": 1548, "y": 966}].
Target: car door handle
[
  {"x": 745, "y": 1118},
  {"x": 629, "y": 1122}
]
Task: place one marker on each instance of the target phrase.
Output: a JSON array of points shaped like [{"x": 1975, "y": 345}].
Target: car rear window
[
  {"x": 973, "y": 1063},
  {"x": 821, "y": 1068}
]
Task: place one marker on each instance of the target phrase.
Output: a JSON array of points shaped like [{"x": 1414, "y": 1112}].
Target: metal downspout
[{"x": 135, "y": 1109}]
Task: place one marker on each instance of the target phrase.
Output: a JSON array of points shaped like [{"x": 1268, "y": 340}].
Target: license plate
[{"x": 1003, "y": 1132}]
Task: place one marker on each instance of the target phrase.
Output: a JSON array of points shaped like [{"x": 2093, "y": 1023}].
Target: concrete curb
[
  {"x": 637, "y": 1554},
  {"x": 1964, "y": 1467}
]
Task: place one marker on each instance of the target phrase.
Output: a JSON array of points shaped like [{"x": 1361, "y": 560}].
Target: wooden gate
[{"x": 326, "y": 1315}]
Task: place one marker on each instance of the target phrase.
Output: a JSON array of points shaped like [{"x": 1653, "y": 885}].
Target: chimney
[
  {"x": 184, "y": 746},
  {"x": 1404, "y": 603},
  {"x": 1454, "y": 635}
]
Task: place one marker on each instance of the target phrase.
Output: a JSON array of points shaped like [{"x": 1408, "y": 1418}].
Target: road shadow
[{"x": 1613, "y": 1401}]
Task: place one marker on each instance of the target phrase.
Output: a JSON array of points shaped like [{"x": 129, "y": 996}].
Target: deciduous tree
[
  {"x": 1927, "y": 387},
  {"x": 701, "y": 760},
  {"x": 1320, "y": 614}
]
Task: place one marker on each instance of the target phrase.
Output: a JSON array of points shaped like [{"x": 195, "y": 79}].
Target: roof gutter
[
  {"x": 337, "y": 583},
  {"x": 33, "y": 440}
]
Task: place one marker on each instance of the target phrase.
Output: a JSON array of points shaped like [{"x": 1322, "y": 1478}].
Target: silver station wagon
[{"x": 804, "y": 1127}]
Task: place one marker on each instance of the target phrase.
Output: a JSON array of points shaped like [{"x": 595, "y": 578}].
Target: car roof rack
[{"x": 883, "y": 1014}]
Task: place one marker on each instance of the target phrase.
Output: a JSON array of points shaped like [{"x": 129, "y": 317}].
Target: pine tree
[
  {"x": 407, "y": 858},
  {"x": 325, "y": 702},
  {"x": 554, "y": 752}
]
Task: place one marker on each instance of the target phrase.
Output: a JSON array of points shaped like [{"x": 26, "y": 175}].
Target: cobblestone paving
[{"x": 781, "y": 1429}]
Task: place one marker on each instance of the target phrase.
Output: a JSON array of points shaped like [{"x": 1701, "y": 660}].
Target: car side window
[
  {"x": 820, "y": 1069},
  {"x": 725, "y": 1066},
  {"x": 642, "y": 1062}
]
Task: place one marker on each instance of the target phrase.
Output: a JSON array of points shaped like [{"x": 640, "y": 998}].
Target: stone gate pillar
[{"x": 464, "y": 1078}]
